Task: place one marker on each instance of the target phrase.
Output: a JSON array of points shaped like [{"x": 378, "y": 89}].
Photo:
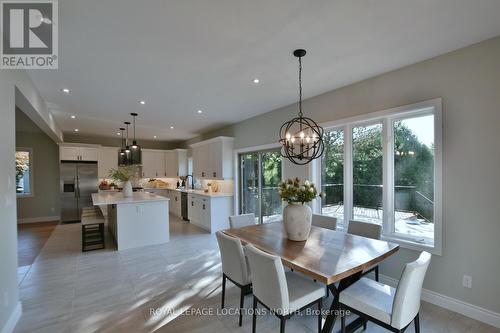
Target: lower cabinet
[
  {"x": 175, "y": 199},
  {"x": 209, "y": 213}
]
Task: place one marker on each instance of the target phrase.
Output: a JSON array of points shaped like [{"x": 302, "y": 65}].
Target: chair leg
[
  {"x": 282, "y": 324},
  {"x": 242, "y": 299},
  {"x": 376, "y": 273},
  {"x": 417, "y": 324},
  {"x": 254, "y": 316},
  {"x": 223, "y": 289},
  {"x": 364, "y": 325},
  {"x": 320, "y": 317},
  {"x": 342, "y": 323}
]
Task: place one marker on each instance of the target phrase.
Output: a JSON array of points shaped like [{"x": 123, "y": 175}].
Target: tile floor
[{"x": 147, "y": 289}]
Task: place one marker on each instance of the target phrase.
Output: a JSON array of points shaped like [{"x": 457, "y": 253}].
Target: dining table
[{"x": 332, "y": 257}]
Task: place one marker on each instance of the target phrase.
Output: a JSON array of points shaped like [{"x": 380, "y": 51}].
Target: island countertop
[{"x": 115, "y": 198}]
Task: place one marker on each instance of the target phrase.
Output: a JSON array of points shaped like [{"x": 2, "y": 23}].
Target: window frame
[
  {"x": 31, "y": 194},
  {"x": 237, "y": 178},
  {"x": 387, "y": 118}
]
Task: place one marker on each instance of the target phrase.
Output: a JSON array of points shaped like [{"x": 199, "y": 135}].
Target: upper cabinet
[
  {"x": 78, "y": 153},
  {"x": 176, "y": 163},
  {"x": 107, "y": 160},
  {"x": 213, "y": 159},
  {"x": 153, "y": 163}
]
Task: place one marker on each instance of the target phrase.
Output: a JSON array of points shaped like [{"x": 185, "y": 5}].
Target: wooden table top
[{"x": 327, "y": 256}]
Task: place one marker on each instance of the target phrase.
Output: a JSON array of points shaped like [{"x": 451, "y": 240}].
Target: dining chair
[
  {"x": 234, "y": 267},
  {"x": 368, "y": 230},
  {"x": 392, "y": 308},
  {"x": 282, "y": 293},
  {"x": 323, "y": 221},
  {"x": 240, "y": 221}
]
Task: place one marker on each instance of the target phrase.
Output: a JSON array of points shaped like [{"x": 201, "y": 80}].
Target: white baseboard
[
  {"x": 39, "y": 219},
  {"x": 13, "y": 319},
  {"x": 470, "y": 310}
]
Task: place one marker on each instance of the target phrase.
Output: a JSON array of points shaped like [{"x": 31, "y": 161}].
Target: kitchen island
[{"x": 135, "y": 221}]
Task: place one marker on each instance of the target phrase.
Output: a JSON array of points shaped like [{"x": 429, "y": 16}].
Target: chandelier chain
[{"x": 300, "y": 86}]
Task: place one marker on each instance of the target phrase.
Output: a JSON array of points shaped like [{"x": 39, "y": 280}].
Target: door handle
[
  {"x": 192, "y": 203},
  {"x": 203, "y": 206},
  {"x": 215, "y": 174}
]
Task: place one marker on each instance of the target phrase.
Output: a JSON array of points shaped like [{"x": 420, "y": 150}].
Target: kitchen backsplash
[{"x": 224, "y": 186}]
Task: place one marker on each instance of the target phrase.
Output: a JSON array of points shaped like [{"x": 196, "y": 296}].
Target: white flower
[{"x": 307, "y": 183}]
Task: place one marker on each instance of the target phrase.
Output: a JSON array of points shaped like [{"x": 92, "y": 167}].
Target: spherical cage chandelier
[{"x": 301, "y": 138}]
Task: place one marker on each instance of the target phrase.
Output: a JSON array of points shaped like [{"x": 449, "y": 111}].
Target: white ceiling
[{"x": 185, "y": 55}]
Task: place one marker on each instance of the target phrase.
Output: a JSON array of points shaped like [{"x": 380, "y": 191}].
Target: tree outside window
[{"x": 23, "y": 172}]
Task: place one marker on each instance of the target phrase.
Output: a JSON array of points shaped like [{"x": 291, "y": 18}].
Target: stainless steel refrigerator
[{"x": 78, "y": 181}]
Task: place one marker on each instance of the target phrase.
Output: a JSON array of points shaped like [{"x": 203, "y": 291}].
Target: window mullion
[
  {"x": 348, "y": 172},
  {"x": 388, "y": 177}
]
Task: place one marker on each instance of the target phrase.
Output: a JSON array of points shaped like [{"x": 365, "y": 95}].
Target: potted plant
[
  {"x": 124, "y": 175},
  {"x": 297, "y": 215}
]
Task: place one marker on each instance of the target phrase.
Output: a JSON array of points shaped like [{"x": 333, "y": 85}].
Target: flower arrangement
[
  {"x": 294, "y": 191},
  {"x": 123, "y": 174}
]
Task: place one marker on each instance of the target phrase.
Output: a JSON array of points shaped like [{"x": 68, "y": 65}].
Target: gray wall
[
  {"x": 116, "y": 142},
  {"x": 45, "y": 202},
  {"x": 468, "y": 80}
]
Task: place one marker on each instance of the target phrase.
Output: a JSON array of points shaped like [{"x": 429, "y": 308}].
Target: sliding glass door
[{"x": 260, "y": 174}]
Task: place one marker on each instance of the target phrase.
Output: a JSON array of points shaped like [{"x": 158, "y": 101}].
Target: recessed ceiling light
[
  {"x": 65, "y": 90},
  {"x": 171, "y": 127},
  {"x": 73, "y": 116},
  {"x": 200, "y": 111},
  {"x": 154, "y": 136},
  {"x": 142, "y": 102},
  {"x": 76, "y": 129},
  {"x": 256, "y": 80}
]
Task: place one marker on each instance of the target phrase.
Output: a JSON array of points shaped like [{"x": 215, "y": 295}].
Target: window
[
  {"x": 367, "y": 159},
  {"x": 414, "y": 178},
  {"x": 387, "y": 171},
  {"x": 24, "y": 172},
  {"x": 260, "y": 174},
  {"x": 332, "y": 175}
]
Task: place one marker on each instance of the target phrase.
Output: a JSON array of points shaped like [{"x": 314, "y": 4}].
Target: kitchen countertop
[
  {"x": 198, "y": 192},
  {"x": 113, "y": 198}
]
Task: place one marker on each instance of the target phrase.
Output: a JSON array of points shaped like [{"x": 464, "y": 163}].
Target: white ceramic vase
[
  {"x": 297, "y": 221},
  {"x": 127, "y": 189}
]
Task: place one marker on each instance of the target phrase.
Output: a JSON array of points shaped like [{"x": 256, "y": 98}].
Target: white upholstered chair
[
  {"x": 283, "y": 293},
  {"x": 240, "y": 221},
  {"x": 323, "y": 221},
  {"x": 393, "y": 309},
  {"x": 234, "y": 267},
  {"x": 368, "y": 230}
]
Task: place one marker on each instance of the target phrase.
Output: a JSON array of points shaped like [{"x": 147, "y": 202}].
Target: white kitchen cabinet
[
  {"x": 107, "y": 159},
  {"x": 153, "y": 163},
  {"x": 78, "y": 153},
  {"x": 176, "y": 163},
  {"x": 173, "y": 195},
  {"x": 175, "y": 202},
  {"x": 213, "y": 159},
  {"x": 89, "y": 154},
  {"x": 210, "y": 213}
]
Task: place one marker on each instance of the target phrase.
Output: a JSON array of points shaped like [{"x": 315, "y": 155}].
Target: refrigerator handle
[{"x": 77, "y": 190}]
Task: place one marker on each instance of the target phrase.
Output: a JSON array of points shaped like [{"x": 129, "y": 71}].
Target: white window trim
[
  {"x": 32, "y": 172},
  {"x": 387, "y": 117}
]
